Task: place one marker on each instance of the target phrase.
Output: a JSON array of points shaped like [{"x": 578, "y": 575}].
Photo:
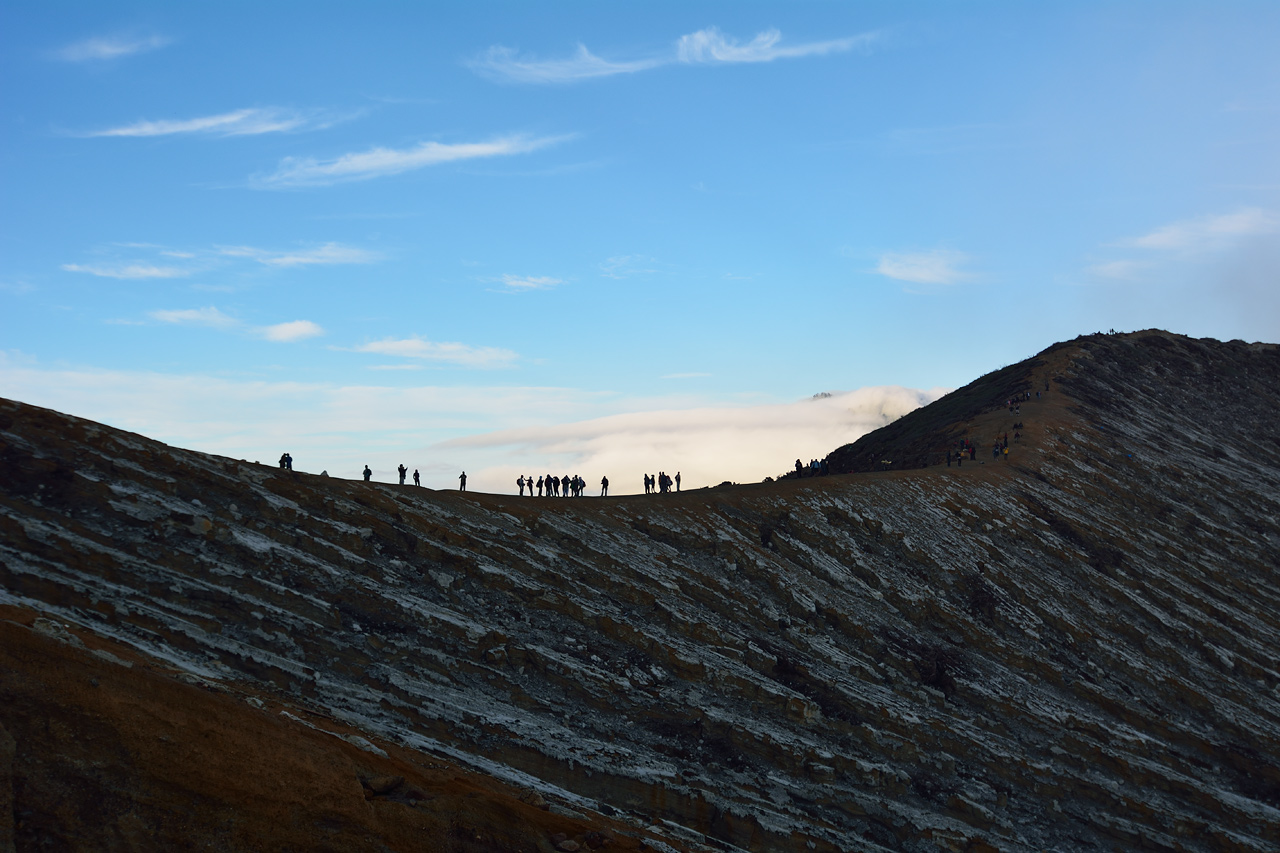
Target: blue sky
[{"x": 390, "y": 231}]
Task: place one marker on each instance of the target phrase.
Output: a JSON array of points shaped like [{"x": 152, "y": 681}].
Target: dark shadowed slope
[{"x": 1073, "y": 649}]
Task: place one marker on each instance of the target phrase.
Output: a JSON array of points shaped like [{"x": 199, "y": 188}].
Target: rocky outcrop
[{"x": 1074, "y": 648}]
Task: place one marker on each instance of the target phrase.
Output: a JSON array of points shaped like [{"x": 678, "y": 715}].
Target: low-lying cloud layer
[{"x": 445, "y": 430}]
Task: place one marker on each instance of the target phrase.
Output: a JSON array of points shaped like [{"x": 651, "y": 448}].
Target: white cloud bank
[
  {"x": 329, "y": 253},
  {"x": 704, "y": 47},
  {"x": 707, "y": 445},
  {"x": 936, "y": 267},
  {"x": 340, "y": 428},
  {"x": 377, "y": 162},
  {"x": 520, "y": 283},
  {"x": 100, "y": 48}
]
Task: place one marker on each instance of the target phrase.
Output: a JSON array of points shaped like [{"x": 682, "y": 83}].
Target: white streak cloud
[
  {"x": 504, "y": 63},
  {"x": 704, "y": 47},
  {"x": 444, "y": 352},
  {"x": 102, "y": 48},
  {"x": 128, "y": 271},
  {"x": 246, "y": 122},
  {"x": 1123, "y": 270},
  {"x": 712, "y": 46},
  {"x": 377, "y": 162},
  {"x": 936, "y": 267}
]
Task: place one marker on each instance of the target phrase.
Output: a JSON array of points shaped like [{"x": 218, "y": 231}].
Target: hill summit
[{"x": 1071, "y": 646}]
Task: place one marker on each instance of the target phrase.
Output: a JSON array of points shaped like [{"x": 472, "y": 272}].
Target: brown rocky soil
[{"x": 1073, "y": 649}]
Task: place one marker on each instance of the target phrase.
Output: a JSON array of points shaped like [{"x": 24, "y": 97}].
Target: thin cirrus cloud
[
  {"x": 1208, "y": 232},
  {"x": 378, "y": 162},
  {"x": 127, "y": 271},
  {"x": 705, "y": 47},
  {"x": 523, "y": 283},
  {"x": 246, "y": 122},
  {"x": 329, "y": 253},
  {"x": 211, "y": 317},
  {"x": 458, "y": 354},
  {"x": 936, "y": 267},
  {"x": 101, "y": 48}
]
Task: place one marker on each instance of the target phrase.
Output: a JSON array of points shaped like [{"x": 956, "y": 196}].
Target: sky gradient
[{"x": 610, "y": 238}]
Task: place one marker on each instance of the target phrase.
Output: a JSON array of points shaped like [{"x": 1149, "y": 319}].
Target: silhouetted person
[
  {"x": 367, "y": 473},
  {"x": 462, "y": 481},
  {"x": 604, "y": 486},
  {"x": 677, "y": 481},
  {"x": 403, "y": 471},
  {"x": 539, "y": 487},
  {"x": 284, "y": 460},
  {"x": 416, "y": 480},
  {"x": 520, "y": 484}
]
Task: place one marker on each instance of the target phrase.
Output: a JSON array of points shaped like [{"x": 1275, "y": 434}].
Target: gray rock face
[{"x": 1075, "y": 648}]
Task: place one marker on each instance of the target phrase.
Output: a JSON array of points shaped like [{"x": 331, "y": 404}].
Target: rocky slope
[{"x": 1072, "y": 649}]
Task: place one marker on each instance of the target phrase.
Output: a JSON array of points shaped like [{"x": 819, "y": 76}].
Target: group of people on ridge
[
  {"x": 661, "y": 483},
  {"x": 559, "y": 487}
]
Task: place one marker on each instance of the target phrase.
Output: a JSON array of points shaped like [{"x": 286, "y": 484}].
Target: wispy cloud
[
  {"x": 1208, "y": 232},
  {"x": 447, "y": 353},
  {"x": 686, "y": 376},
  {"x": 1123, "y": 270},
  {"x": 936, "y": 267},
  {"x": 623, "y": 266},
  {"x": 521, "y": 283},
  {"x": 329, "y": 253},
  {"x": 711, "y": 46},
  {"x": 128, "y": 271},
  {"x": 211, "y": 317},
  {"x": 504, "y": 63},
  {"x": 297, "y": 330},
  {"x": 377, "y": 162},
  {"x": 704, "y": 47},
  {"x": 246, "y": 122},
  {"x": 101, "y": 48}
]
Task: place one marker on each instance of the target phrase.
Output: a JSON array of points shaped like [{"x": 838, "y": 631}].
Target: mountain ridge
[{"x": 1072, "y": 648}]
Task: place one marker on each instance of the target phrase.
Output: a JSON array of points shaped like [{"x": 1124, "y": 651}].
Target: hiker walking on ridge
[
  {"x": 604, "y": 486},
  {"x": 462, "y": 481},
  {"x": 403, "y": 471},
  {"x": 367, "y": 473}
]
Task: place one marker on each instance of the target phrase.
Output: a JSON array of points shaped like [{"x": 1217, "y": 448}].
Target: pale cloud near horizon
[
  {"x": 940, "y": 266},
  {"x": 211, "y": 317},
  {"x": 127, "y": 271},
  {"x": 1123, "y": 270},
  {"x": 342, "y": 427},
  {"x": 377, "y": 162},
  {"x": 100, "y": 48},
  {"x": 704, "y": 47},
  {"x": 1208, "y": 232},
  {"x": 459, "y": 354},
  {"x": 622, "y": 266},
  {"x": 707, "y": 445},
  {"x": 244, "y": 122}
]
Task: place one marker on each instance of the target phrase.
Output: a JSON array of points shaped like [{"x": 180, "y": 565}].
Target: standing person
[
  {"x": 284, "y": 460},
  {"x": 367, "y": 473},
  {"x": 462, "y": 481},
  {"x": 539, "y": 485},
  {"x": 520, "y": 484},
  {"x": 677, "y": 481},
  {"x": 604, "y": 486},
  {"x": 403, "y": 471},
  {"x": 417, "y": 481}
]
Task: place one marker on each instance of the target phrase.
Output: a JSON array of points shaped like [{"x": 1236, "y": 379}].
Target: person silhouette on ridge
[
  {"x": 416, "y": 480},
  {"x": 462, "y": 481},
  {"x": 403, "y": 470},
  {"x": 367, "y": 473}
]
